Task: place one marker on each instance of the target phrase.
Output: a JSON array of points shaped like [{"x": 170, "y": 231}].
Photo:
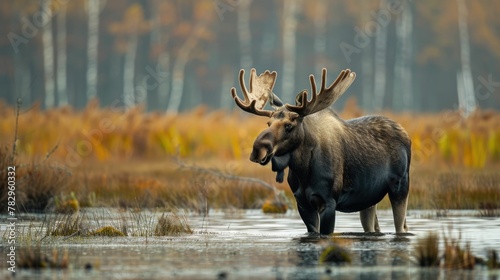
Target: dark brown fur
[
  {"x": 334, "y": 165},
  {"x": 338, "y": 165}
]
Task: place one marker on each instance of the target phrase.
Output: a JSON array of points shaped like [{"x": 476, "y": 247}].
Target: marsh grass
[
  {"x": 456, "y": 255},
  {"x": 493, "y": 262},
  {"x": 438, "y": 138},
  {"x": 172, "y": 224},
  {"x": 66, "y": 225},
  {"x": 38, "y": 183},
  {"x": 108, "y": 231},
  {"x": 35, "y": 258},
  {"x": 274, "y": 206},
  {"x": 489, "y": 209},
  {"x": 103, "y": 223},
  {"x": 335, "y": 250},
  {"x": 454, "y": 161},
  {"x": 427, "y": 250}
]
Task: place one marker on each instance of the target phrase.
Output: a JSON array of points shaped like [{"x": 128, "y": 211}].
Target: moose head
[{"x": 285, "y": 131}]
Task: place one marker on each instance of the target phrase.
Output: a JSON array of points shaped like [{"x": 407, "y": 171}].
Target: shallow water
[{"x": 252, "y": 245}]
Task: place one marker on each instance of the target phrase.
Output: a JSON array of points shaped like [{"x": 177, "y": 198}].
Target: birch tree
[
  {"x": 380, "y": 65},
  {"x": 198, "y": 32},
  {"x": 179, "y": 69},
  {"x": 165, "y": 15},
  {"x": 467, "y": 101},
  {"x": 93, "y": 7},
  {"x": 48, "y": 54},
  {"x": 127, "y": 31},
  {"x": 129, "y": 71},
  {"x": 62, "y": 94},
  {"x": 402, "y": 83},
  {"x": 290, "y": 9},
  {"x": 320, "y": 20},
  {"x": 244, "y": 34},
  {"x": 367, "y": 65}
]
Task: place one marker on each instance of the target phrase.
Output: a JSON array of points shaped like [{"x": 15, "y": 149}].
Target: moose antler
[
  {"x": 260, "y": 92},
  {"x": 325, "y": 97}
]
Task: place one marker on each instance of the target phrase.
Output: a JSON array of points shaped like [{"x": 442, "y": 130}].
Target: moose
[{"x": 333, "y": 164}]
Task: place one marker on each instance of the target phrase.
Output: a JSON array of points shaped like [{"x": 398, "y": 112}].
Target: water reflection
[
  {"x": 379, "y": 251},
  {"x": 257, "y": 246}
]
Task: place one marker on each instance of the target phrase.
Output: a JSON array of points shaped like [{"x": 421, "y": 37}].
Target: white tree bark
[
  {"x": 164, "y": 85},
  {"x": 402, "y": 84},
  {"x": 320, "y": 35},
  {"x": 380, "y": 66},
  {"x": 290, "y": 10},
  {"x": 48, "y": 55},
  {"x": 129, "y": 72},
  {"x": 367, "y": 67},
  {"x": 92, "y": 47},
  {"x": 468, "y": 103},
  {"x": 160, "y": 36},
  {"x": 244, "y": 34},
  {"x": 62, "y": 95},
  {"x": 179, "y": 68}
]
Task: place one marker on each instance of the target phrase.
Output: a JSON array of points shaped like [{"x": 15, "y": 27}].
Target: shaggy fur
[{"x": 337, "y": 165}]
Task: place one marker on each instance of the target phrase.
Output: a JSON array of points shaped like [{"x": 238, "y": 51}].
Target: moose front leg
[
  {"x": 327, "y": 218},
  {"x": 309, "y": 215},
  {"x": 326, "y": 209}
]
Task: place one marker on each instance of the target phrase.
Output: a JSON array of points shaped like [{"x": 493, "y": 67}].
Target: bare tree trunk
[
  {"x": 92, "y": 47},
  {"x": 179, "y": 67},
  {"x": 160, "y": 37},
  {"x": 468, "y": 104},
  {"x": 402, "y": 98},
  {"x": 244, "y": 34},
  {"x": 290, "y": 10},
  {"x": 380, "y": 66},
  {"x": 461, "y": 93},
  {"x": 164, "y": 85},
  {"x": 367, "y": 67},
  {"x": 48, "y": 55},
  {"x": 320, "y": 35},
  {"x": 62, "y": 95},
  {"x": 129, "y": 72}
]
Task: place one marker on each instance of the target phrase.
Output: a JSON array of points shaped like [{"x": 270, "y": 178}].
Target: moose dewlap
[{"x": 334, "y": 164}]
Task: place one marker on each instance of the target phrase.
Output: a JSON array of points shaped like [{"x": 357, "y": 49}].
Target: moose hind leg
[
  {"x": 399, "y": 200},
  {"x": 369, "y": 219}
]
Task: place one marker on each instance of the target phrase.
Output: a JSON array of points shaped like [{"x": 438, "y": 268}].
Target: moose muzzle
[{"x": 262, "y": 151}]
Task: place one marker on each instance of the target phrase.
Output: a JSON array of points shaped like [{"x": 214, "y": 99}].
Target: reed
[
  {"x": 427, "y": 250},
  {"x": 172, "y": 224},
  {"x": 112, "y": 157},
  {"x": 34, "y": 258}
]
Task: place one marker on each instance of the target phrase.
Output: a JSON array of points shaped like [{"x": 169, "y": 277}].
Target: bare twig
[
  {"x": 218, "y": 173},
  {"x": 19, "y": 102},
  {"x": 51, "y": 151}
]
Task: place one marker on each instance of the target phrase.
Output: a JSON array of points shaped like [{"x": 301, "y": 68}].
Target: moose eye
[{"x": 288, "y": 127}]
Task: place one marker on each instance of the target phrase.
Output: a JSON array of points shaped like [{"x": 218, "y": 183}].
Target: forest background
[{"x": 422, "y": 56}]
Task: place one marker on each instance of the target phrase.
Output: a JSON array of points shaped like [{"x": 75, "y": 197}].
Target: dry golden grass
[
  {"x": 123, "y": 158},
  {"x": 98, "y": 133},
  {"x": 34, "y": 258},
  {"x": 427, "y": 250},
  {"x": 172, "y": 224}
]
